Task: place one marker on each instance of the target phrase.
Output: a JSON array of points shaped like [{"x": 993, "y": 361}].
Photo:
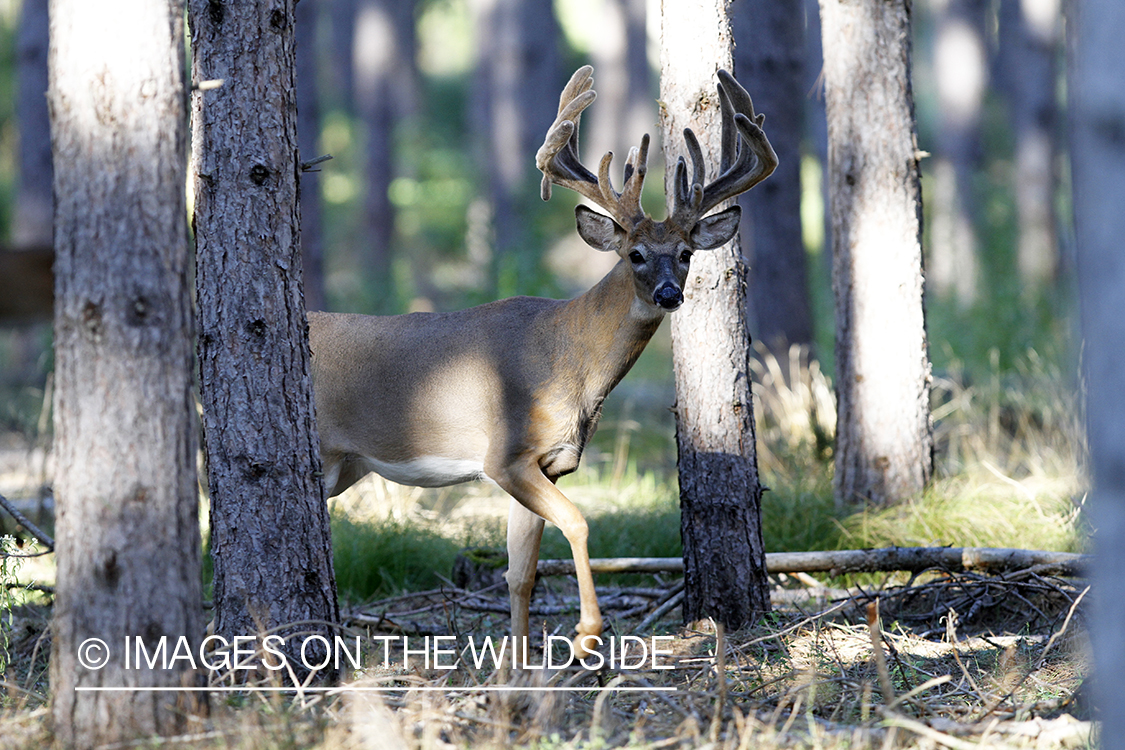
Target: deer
[{"x": 511, "y": 391}]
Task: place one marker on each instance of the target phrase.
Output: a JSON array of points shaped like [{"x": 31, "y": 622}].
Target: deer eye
[
  {"x": 636, "y": 257},
  {"x": 685, "y": 256}
]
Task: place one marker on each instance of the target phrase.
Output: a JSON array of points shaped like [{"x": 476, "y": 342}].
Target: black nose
[{"x": 668, "y": 296}]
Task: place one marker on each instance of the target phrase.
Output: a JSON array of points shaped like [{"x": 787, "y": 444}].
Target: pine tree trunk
[
  {"x": 1097, "y": 147},
  {"x": 720, "y": 497},
  {"x": 769, "y": 52},
  {"x": 270, "y": 538},
  {"x": 884, "y": 440},
  {"x": 127, "y": 529}
]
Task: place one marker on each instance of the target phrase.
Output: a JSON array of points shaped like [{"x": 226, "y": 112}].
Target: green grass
[{"x": 379, "y": 558}]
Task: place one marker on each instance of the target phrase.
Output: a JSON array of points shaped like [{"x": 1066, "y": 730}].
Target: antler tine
[
  {"x": 558, "y": 157},
  {"x": 730, "y": 134},
  {"x": 746, "y": 156},
  {"x": 741, "y": 175},
  {"x": 688, "y": 196},
  {"x": 636, "y": 167}
]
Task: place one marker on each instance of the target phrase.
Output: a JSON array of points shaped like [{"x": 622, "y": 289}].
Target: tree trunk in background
[
  {"x": 341, "y": 56},
  {"x": 769, "y": 54},
  {"x": 1097, "y": 144},
  {"x": 816, "y": 122},
  {"x": 961, "y": 71},
  {"x": 270, "y": 538},
  {"x": 127, "y": 528},
  {"x": 384, "y": 78},
  {"x": 32, "y": 229},
  {"x": 35, "y": 197},
  {"x": 515, "y": 100},
  {"x": 720, "y": 497},
  {"x": 619, "y": 54},
  {"x": 1029, "y": 51},
  {"x": 308, "y": 137},
  {"x": 884, "y": 439}
]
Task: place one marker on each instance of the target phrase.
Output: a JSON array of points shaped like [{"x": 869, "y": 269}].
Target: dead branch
[
  {"x": 31, "y": 528},
  {"x": 912, "y": 559}
]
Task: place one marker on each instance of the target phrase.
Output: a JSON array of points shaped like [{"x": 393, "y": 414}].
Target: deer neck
[{"x": 608, "y": 328}]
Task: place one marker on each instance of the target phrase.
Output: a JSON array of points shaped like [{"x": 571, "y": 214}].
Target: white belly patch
[{"x": 429, "y": 471}]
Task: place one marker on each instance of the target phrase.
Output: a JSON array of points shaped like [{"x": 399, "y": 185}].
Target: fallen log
[{"x": 888, "y": 559}]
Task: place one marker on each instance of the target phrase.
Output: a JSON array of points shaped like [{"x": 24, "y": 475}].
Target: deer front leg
[
  {"x": 525, "y": 530},
  {"x": 535, "y": 492}
]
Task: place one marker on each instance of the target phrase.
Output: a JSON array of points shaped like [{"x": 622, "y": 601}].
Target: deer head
[{"x": 659, "y": 253}]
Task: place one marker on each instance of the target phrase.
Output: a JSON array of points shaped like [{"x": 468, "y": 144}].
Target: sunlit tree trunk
[
  {"x": 270, "y": 538},
  {"x": 769, "y": 52},
  {"x": 961, "y": 72},
  {"x": 884, "y": 440},
  {"x": 1097, "y": 146},
  {"x": 720, "y": 496},
  {"x": 127, "y": 529}
]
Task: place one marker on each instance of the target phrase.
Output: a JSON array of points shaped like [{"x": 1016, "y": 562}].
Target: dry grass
[{"x": 969, "y": 660}]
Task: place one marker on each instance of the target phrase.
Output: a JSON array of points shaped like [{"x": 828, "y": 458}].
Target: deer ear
[
  {"x": 717, "y": 229},
  {"x": 598, "y": 231}
]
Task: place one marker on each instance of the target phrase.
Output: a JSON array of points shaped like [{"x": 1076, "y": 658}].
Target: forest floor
[{"x": 953, "y": 661}]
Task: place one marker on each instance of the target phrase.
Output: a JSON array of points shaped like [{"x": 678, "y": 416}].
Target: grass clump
[
  {"x": 383, "y": 557},
  {"x": 957, "y": 513}
]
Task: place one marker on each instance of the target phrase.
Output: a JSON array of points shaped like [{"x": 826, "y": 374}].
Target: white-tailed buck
[{"x": 512, "y": 391}]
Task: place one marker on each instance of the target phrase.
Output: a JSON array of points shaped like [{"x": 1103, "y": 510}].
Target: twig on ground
[
  {"x": 675, "y": 596},
  {"x": 875, "y": 631}
]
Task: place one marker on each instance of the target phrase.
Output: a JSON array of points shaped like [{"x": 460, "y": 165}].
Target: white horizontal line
[{"x": 399, "y": 688}]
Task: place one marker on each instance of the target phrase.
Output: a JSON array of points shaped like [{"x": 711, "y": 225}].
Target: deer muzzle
[{"x": 668, "y": 296}]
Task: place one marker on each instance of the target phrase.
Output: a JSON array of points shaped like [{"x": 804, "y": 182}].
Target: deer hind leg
[
  {"x": 525, "y": 529},
  {"x": 535, "y": 492}
]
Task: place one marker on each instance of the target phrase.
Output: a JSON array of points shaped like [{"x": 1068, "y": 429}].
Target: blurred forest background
[{"x": 432, "y": 111}]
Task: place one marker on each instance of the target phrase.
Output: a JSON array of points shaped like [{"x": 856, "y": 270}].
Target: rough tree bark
[
  {"x": 127, "y": 529},
  {"x": 1097, "y": 147},
  {"x": 720, "y": 497},
  {"x": 770, "y": 51},
  {"x": 270, "y": 538},
  {"x": 884, "y": 434}
]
